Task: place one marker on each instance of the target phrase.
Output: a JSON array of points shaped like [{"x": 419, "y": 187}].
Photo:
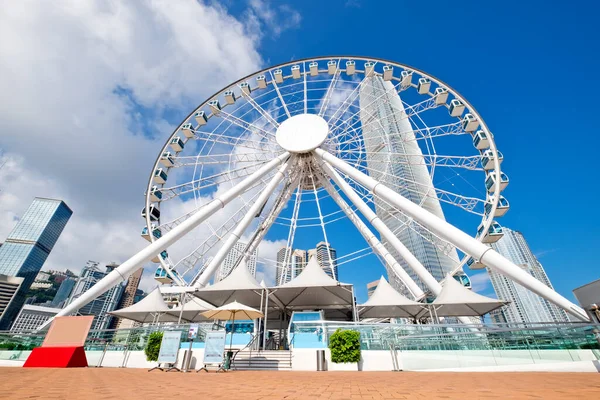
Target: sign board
[
  {"x": 68, "y": 331},
  {"x": 214, "y": 347},
  {"x": 193, "y": 332},
  {"x": 169, "y": 347}
]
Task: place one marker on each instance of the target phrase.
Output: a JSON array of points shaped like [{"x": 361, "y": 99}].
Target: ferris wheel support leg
[
  {"x": 121, "y": 273},
  {"x": 372, "y": 240},
  {"x": 385, "y": 232},
  {"x": 237, "y": 233},
  {"x": 458, "y": 238}
]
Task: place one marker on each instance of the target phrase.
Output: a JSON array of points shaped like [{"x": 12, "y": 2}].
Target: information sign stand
[
  {"x": 169, "y": 349},
  {"x": 213, "y": 351}
]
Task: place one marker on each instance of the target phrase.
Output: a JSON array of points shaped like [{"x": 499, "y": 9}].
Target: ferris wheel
[
  {"x": 311, "y": 148},
  {"x": 392, "y": 122}
]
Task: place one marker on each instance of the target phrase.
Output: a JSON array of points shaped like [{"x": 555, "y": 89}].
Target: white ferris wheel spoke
[
  {"x": 287, "y": 112},
  {"x": 314, "y": 185}
]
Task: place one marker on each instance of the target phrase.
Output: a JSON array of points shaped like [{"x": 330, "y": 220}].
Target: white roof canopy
[
  {"x": 233, "y": 311},
  {"x": 151, "y": 308},
  {"x": 386, "y": 302},
  {"x": 313, "y": 289},
  {"x": 192, "y": 310},
  {"x": 240, "y": 286},
  {"x": 457, "y": 301}
]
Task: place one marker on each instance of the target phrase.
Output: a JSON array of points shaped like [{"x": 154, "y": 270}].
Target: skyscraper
[
  {"x": 128, "y": 297},
  {"x": 327, "y": 258},
  {"x": 371, "y": 286},
  {"x": 89, "y": 276},
  {"x": 28, "y": 245},
  {"x": 297, "y": 262},
  {"x": 394, "y": 158},
  {"x": 525, "y": 306},
  {"x": 63, "y": 292},
  {"x": 231, "y": 259}
]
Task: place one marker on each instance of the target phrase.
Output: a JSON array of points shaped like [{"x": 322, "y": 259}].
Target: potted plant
[
  {"x": 153, "y": 346},
  {"x": 345, "y": 349}
]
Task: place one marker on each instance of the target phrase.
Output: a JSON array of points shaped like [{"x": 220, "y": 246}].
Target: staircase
[{"x": 264, "y": 360}]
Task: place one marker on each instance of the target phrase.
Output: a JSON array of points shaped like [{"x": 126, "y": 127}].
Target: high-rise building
[
  {"x": 9, "y": 286},
  {"x": 32, "y": 317},
  {"x": 99, "y": 307},
  {"x": 231, "y": 260},
  {"x": 525, "y": 306},
  {"x": 295, "y": 265},
  {"x": 128, "y": 297},
  {"x": 63, "y": 292},
  {"x": 28, "y": 245},
  {"x": 395, "y": 159},
  {"x": 371, "y": 286},
  {"x": 327, "y": 258}
]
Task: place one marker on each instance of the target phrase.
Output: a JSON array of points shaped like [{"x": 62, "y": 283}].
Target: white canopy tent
[
  {"x": 386, "y": 302},
  {"x": 239, "y": 286},
  {"x": 313, "y": 289},
  {"x": 455, "y": 300},
  {"x": 191, "y": 310},
  {"x": 151, "y": 309}
]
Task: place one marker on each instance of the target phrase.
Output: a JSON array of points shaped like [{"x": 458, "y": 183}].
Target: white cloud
[
  {"x": 276, "y": 19},
  {"x": 93, "y": 86},
  {"x": 480, "y": 282}
]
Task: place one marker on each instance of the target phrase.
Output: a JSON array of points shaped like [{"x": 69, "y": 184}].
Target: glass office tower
[
  {"x": 395, "y": 159},
  {"x": 28, "y": 245}
]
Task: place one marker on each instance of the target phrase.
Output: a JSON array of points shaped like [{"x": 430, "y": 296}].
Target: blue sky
[{"x": 530, "y": 69}]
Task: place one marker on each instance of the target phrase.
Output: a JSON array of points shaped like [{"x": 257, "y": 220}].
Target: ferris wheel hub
[{"x": 302, "y": 133}]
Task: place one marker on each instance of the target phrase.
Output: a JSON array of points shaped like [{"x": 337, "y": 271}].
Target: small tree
[
  {"x": 153, "y": 346},
  {"x": 345, "y": 346}
]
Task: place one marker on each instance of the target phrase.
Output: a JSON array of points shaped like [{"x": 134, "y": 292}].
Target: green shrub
[
  {"x": 8, "y": 346},
  {"x": 345, "y": 346},
  {"x": 153, "y": 346}
]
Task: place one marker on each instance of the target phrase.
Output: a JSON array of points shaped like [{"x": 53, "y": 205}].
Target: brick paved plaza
[{"x": 113, "y": 383}]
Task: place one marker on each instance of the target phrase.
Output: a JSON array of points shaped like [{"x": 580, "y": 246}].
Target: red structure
[
  {"x": 56, "y": 357},
  {"x": 63, "y": 345}
]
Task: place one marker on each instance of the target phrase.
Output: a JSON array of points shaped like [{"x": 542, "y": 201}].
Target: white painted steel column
[
  {"x": 372, "y": 240},
  {"x": 237, "y": 233},
  {"x": 121, "y": 273},
  {"x": 474, "y": 248},
  {"x": 382, "y": 228}
]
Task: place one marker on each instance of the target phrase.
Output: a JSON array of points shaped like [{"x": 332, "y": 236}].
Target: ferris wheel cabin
[
  {"x": 314, "y": 68},
  {"x": 155, "y": 232},
  {"x": 155, "y": 194},
  {"x": 261, "y": 81},
  {"x": 246, "y": 89},
  {"x": 490, "y": 181},
  {"x": 463, "y": 279},
  {"x": 424, "y": 85},
  {"x": 388, "y": 72},
  {"x": 177, "y": 144},
  {"x": 229, "y": 97},
  {"x": 474, "y": 265},
  {"x": 441, "y": 96},
  {"x": 295, "y": 71},
  {"x": 405, "y": 78},
  {"x": 501, "y": 208},
  {"x": 350, "y": 67},
  {"x": 187, "y": 130},
  {"x": 215, "y": 106},
  {"x": 278, "y": 75},
  {"x": 493, "y": 234},
  {"x": 456, "y": 108},
  {"x": 487, "y": 159},
  {"x": 200, "y": 118},
  {"x": 162, "y": 276},
  {"x": 369, "y": 68},
  {"x": 331, "y": 67},
  {"x": 163, "y": 254},
  {"x": 160, "y": 176},
  {"x": 154, "y": 213},
  {"x": 470, "y": 123},
  {"x": 480, "y": 140},
  {"x": 167, "y": 160}
]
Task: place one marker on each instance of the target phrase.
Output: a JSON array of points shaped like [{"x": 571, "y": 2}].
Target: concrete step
[{"x": 263, "y": 360}]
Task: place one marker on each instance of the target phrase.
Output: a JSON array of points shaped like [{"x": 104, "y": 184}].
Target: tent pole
[
  {"x": 266, "y": 317},
  {"x": 182, "y": 302}
]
